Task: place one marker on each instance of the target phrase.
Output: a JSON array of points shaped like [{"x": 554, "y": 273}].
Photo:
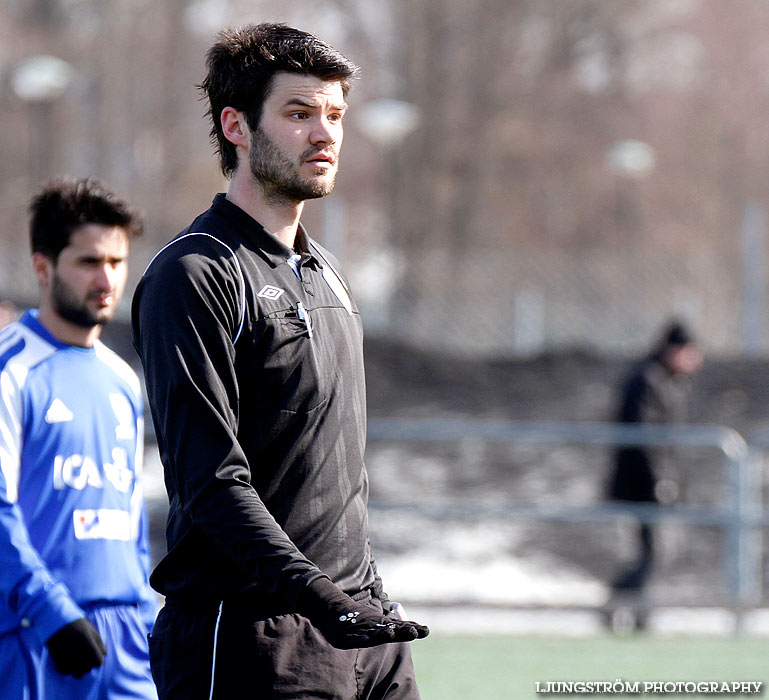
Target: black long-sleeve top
[
  {"x": 650, "y": 395},
  {"x": 256, "y": 386}
]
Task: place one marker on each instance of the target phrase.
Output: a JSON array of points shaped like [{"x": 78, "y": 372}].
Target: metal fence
[
  {"x": 520, "y": 302},
  {"x": 740, "y": 515}
]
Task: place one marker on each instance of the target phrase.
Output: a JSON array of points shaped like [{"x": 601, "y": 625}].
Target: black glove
[
  {"x": 350, "y": 625},
  {"x": 76, "y": 648}
]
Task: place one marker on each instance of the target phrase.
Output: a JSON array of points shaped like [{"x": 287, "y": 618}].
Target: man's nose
[
  {"x": 105, "y": 276},
  {"x": 325, "y": 131}
]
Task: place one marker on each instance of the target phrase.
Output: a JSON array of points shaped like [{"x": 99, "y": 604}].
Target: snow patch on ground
[{"x": 423, "y": 576}]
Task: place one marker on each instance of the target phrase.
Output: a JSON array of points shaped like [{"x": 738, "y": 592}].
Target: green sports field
[{"x": 491, "y": 668}]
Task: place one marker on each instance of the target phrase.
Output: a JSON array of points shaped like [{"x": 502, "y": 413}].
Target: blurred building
[{"x": 519, "y": 176}]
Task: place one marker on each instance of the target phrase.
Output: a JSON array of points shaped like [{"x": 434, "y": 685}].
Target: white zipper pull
[{"x": 304, "y": 316}]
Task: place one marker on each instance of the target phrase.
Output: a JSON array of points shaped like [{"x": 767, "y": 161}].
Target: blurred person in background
[
  {"x": 252, "y": 350},
  {"x": 656, "y": 391},
  {"x": 76, "y": 605}
]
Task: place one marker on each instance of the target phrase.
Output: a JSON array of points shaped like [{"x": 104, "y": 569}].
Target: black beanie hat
[{"x": 677, "y": 334}]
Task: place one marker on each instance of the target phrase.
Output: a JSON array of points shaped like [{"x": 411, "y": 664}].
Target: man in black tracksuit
[
  {"x": 252, "y": 352},
  {"x": 655, "y": 392}
]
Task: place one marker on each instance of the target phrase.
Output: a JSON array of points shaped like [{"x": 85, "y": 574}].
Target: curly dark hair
[
  {"x": 65, "y": 204},
  {"x": 241, "y": 66}
]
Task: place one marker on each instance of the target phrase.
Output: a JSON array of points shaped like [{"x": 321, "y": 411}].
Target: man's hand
[
  {"x": 350, "y": 625},
  {"x": 76, "y": 648}
]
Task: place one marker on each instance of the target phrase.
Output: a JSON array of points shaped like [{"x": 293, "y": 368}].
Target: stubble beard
[
  {"x": 279, "y": 176},
  {"x": 70, "y": 308}
]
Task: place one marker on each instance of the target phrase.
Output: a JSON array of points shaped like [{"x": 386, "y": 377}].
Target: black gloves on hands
[
  {"x": 350, "y": 625},
  {"x": 76, "y": 648}
]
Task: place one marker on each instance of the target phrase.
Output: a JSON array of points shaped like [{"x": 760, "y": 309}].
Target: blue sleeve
[
  {"x": 28, "y": 588},
  {"x": 26, "y": 584},
  {"x": 149, "y": 599}
]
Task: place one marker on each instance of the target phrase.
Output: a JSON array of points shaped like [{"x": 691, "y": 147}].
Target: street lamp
[
  {"x": 41, "y": 78},
  {"x": 631, "y": 158},
  {"x": 39, "y": 81},
  {"x": 385, "y": 122}
]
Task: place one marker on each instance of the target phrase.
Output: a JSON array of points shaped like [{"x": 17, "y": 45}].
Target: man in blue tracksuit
[{"x": 75, "y": 604}]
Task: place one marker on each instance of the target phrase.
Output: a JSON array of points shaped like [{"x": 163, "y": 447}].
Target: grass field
[{"x": 507, "y": 668}]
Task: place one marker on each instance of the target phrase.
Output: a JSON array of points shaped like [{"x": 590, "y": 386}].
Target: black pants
[
  {"x": 634, "y": 480},
  {"x": 233, "y": 652},
  {"x": 634, "y": 578}
]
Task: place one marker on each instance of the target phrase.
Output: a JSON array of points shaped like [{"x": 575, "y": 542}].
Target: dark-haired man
[
  {"x": 75, "y": 602},
  {"x": 252, "y": 352}
]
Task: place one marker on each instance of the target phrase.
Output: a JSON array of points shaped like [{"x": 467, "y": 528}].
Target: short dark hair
[
  {"x": 242, "y": 64},
  {"x": 65, "y": 204}
]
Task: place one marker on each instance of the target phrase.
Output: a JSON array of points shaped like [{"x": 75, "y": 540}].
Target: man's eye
[{"x": 299, "y": 115}]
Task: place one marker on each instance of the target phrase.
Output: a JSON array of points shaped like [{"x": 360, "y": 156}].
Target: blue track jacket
[{"x": 73, "y": 526}]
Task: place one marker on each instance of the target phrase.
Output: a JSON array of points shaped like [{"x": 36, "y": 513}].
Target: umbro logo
[
  {"x": 58, "y": 413},
  {"x": 270, "y": 292}
]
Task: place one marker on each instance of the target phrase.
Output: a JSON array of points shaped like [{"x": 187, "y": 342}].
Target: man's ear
[
  {"x": 235, "y": 128},
  {"x": 43, "y": 268}
]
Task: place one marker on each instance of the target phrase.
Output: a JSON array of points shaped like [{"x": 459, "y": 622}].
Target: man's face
[
  {"x": 87, "y": 281},
  {"x": 295, "y": 151},
  {"x": 683, "y": 359}
]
